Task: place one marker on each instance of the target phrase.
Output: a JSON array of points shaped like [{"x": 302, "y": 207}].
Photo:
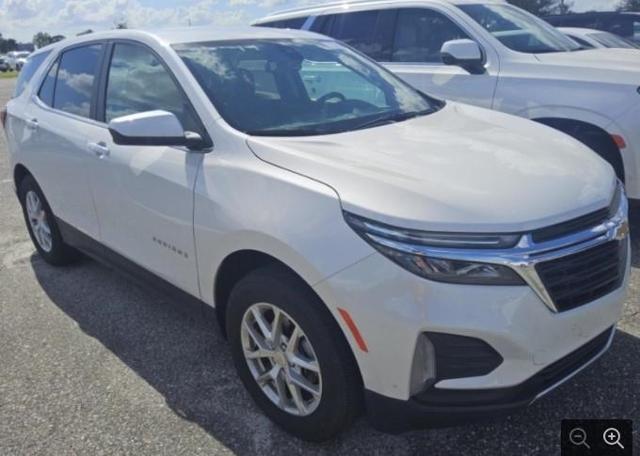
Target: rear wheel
[
  {"x": 42, "y": 225},
  {"x": 291, "y": 355}
]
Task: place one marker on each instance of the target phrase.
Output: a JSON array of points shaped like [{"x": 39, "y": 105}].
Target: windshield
[
  {"x": 613, "y": 41},
  {"x": 299, "y": 87},
  {"x": 519, "y": 30}
]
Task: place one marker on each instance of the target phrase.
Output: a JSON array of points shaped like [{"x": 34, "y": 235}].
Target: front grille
[
  {"x": 572, "y": 226},
  {"x": 579, "y": 224},
  {"x": 583, "y": 277}
]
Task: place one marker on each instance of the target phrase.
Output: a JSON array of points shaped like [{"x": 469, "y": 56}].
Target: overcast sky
[{"x": 21, "y": 19}]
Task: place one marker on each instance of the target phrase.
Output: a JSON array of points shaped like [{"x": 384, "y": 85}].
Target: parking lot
[{"x": 92, "y": 362}]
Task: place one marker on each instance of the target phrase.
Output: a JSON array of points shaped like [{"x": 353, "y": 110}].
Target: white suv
[
  {"x": 359, "y": 240},
  {"x": 491, "y": 54}
]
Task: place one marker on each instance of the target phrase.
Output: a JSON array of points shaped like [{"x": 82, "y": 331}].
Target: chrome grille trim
[{"x": 524, "y": 257}]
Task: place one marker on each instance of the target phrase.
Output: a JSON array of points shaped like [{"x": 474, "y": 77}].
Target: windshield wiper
[{"x": 378, "y": 121}]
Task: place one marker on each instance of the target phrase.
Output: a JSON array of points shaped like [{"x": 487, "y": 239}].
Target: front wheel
[{"x": 291, "y": 355}]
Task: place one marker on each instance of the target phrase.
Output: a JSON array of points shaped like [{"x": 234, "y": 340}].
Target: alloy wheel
[
  {"x": 38, "y": 221},
  {"x": 281, "y": 359}
]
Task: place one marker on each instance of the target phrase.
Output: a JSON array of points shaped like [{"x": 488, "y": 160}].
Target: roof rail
[
  {"x": 321, "y": 5},
  {"x": 333, "y": 4}
]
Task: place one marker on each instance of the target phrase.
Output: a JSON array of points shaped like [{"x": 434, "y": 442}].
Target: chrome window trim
[{"x": 524, "y": 257}]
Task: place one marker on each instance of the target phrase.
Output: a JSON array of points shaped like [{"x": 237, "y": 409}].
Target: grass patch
[{"x": 8, "y": 74}]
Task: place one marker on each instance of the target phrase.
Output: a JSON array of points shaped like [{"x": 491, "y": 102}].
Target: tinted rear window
[
  {"x": 76, "y": 78},
  {"x": 28, "y": 70},
  {"x": 370, "y": 32},
  {"x": 46, "y": 89}
]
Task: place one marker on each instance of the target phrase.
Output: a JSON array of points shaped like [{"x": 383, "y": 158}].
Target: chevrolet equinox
[{"x": 365, "y": 246}]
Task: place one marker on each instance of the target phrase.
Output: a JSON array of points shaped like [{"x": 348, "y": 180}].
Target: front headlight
[{"x": 406, "y": 248}]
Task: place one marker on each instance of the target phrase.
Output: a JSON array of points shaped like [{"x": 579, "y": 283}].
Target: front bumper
[
  {"x": 538, "y": 344},
  {"x": 447, "y": 407}
]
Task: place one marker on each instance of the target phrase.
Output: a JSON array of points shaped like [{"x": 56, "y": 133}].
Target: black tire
[
  {"x": 60, "y": 254},
  {"x": 340, "y": 401}
]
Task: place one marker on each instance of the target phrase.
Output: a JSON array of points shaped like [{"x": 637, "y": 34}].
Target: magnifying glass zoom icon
[
  {"x": 578, "y": 437},
  {"x": 612, "y": 437}
]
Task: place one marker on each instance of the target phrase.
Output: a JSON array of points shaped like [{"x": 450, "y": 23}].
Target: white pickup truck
[{"x": 494, "y": 55}]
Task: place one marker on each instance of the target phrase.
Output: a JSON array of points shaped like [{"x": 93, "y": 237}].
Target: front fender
[{"x": 254, "y": 205}]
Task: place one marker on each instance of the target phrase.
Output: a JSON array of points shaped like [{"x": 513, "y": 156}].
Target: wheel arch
[
  {"x": 232, "y": 269},
  {"x": 19, "y": 173},
  {"x": 593, "y": 136},
  {"x": 237, "y": 265}
]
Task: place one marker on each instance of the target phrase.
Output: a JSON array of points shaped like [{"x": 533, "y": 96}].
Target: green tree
[
  {"x": 544, "y": 7},
  {"x": 7, "y": 45},
  {"x": 629, "y": 5},
  {"x": 41, "y": 39},
  {"x": 564, "y": 7}
]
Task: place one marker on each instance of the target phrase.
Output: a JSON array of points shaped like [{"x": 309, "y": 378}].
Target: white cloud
[{"x": 23, "y": 18}]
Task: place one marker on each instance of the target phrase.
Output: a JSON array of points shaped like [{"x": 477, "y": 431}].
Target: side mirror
[
  {"x": 463, "y": 53},
  {"x": 152, "y": 128}
]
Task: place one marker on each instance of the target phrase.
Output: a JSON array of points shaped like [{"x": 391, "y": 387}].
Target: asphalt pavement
[{"x": 94, "y": 363}]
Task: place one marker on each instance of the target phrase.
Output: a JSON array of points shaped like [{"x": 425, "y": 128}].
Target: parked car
[
  {"x": 4, "y": 64},
  {"x": 358, "y": 239},
  {"x": 624, "y": 24},
  {"x": 17, "y": 59},
  {"x": 591, "y": 38},
  {"x": 497, "y": 56}
]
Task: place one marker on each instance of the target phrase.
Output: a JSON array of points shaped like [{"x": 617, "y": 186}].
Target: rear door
[
  {"x": 56, "y": 120},
  {"x": 144, "y": 194}
]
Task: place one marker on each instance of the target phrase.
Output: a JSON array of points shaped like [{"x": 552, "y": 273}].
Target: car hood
[
  {"x": 621, "y": 66},
  {"x": 460, "y": 169}
]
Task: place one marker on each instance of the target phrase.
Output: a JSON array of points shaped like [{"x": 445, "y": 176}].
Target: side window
[
  {"x": 370, "y": 32},
  {"x": 420, "y": 34},
  {"x": 46, "y": 89},
  {"x": 322, "y": 24},
  {"x": 74, "y": 85},
  {"x": 138, "y": 82},
  {"x": 28, "y": 70}
]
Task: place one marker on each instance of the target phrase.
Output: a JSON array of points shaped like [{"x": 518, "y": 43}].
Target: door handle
[
  {"x": 32, "y": 124},
  {"x": 99, "y": 149}
]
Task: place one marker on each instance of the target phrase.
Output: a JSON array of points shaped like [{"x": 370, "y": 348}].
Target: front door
[
  {"x": 415, "y": 57},
  {"x": 144, "y": 194}
]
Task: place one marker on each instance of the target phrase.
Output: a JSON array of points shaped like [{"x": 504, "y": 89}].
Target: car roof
[
  {"x": 171, "y": 36},
  {"x": 594, "y": 14},
  {"x": 364, "y": 4}
]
